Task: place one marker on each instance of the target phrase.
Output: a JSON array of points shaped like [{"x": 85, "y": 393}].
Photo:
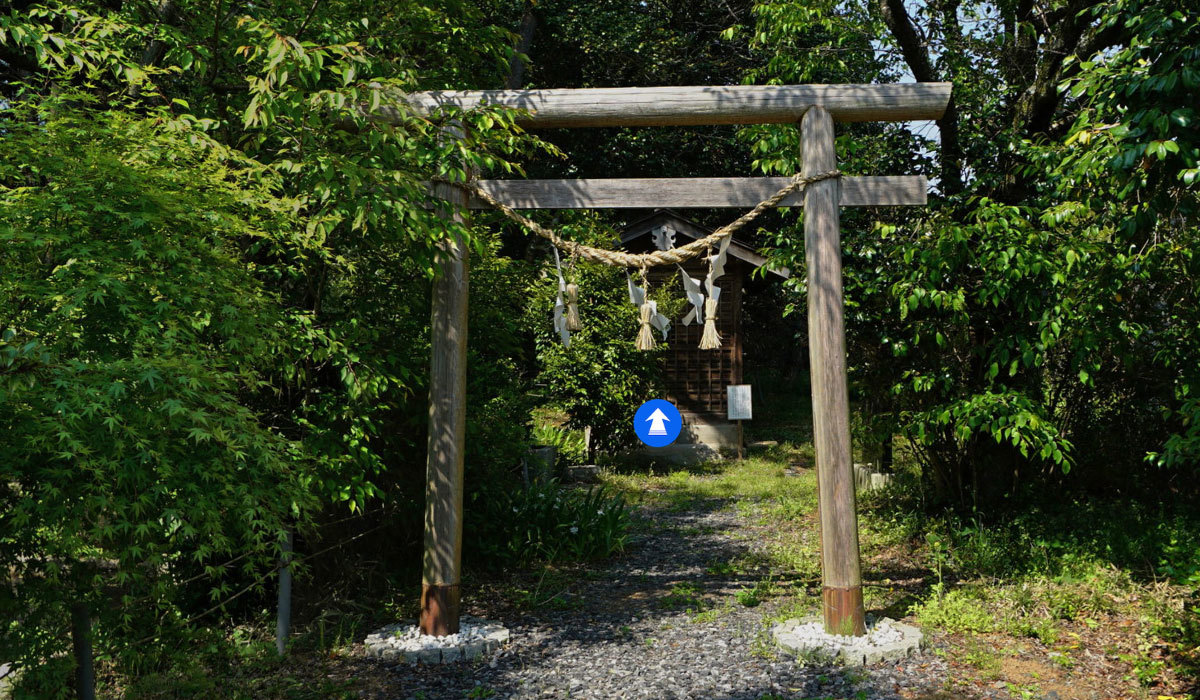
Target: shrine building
[{"x": 696, "y": 379}]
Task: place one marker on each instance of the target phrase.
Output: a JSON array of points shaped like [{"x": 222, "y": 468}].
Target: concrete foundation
[
  {"x": 849, "y": 651},
  {"x": 682, "y": 453},
  {"x": 583, "y": 473},
  {"x": 398, "y": 643},
  {"x": 702, "y": 439},
  {"x": 700, "y": 430}
]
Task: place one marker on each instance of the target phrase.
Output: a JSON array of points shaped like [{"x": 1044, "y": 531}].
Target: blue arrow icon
[{"x": 657, "y": 423}]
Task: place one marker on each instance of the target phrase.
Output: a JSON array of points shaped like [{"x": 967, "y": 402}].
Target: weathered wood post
[
  {"x": 447, "y": 428},
  {"x": 842, "y": 601}
]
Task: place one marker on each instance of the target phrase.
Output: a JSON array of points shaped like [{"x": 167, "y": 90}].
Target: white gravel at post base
[
  {"x": 878, "y": 634},
  {"x": 409, "y": 638}
]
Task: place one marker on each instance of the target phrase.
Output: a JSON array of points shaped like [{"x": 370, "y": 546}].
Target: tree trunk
[{"x": 516, "y": 65}]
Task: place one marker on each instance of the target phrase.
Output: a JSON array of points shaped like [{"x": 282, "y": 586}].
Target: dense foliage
[
  {"x": 1037, "y": 320},
  {"x": 138, "y": 354}
]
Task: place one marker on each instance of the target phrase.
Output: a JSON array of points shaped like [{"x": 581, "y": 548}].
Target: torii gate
[{"x": 816, "y": 107}]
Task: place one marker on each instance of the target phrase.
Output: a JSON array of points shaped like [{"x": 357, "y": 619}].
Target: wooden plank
[
  {"x": 692, "y": 192},
  {"x": 842, "y": 591},
  {"x": 692, "y": 105},
  {"x": 440, "y": 593}
]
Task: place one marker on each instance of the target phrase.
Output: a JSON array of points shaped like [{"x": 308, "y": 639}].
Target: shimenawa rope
[
  {"x": 710, "y": 338},
  {"x": 656, "y": 258}
]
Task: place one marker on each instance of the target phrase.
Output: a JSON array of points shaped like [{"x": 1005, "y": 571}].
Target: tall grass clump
[{"x": 549, "y": 523}]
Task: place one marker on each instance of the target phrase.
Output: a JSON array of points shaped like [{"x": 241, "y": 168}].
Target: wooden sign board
[{"x": 739, "y": 401}]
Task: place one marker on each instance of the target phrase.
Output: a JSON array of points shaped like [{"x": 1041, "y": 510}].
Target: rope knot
[
  {"x": 573, "y": 323},
  {"x": 710, "y": 339}
]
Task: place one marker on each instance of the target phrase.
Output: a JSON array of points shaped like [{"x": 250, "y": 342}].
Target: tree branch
[
  {"x": 1038, "y": 106},
  {"x": 895, "y": 15},
  {"x": 168, "y": 13},
  {"x": 516, "y": 65}
]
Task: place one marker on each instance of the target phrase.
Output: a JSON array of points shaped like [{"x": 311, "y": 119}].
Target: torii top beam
[{"x": 684, "y": 106}]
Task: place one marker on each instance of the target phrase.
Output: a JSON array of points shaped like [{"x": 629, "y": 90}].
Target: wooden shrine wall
[{"x": 695, "y": 378}]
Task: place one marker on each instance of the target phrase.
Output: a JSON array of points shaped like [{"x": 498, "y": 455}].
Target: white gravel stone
[
  {"x": 885, "y": 640},
  {"x": 403, "y": 642}
]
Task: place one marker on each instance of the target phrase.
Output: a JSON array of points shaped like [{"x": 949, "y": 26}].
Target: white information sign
[{"x": 739, "y": 401}]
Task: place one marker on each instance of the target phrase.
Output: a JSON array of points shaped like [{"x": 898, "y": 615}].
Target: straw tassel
[
  {"x": 711, "y": 340},
  {"x": 645, "y": 339},
  {"x": 573, "y": 323}
]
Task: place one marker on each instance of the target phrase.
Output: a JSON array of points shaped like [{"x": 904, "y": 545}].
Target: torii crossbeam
[{"x": 816, "y": 107}]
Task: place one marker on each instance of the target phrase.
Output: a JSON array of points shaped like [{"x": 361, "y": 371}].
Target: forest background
[{"x": 215, "y": 272}]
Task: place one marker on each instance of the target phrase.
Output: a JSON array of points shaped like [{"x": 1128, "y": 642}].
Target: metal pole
[
  {"x": 81, "y": 639},
  {"x": 283, "y": 608}
]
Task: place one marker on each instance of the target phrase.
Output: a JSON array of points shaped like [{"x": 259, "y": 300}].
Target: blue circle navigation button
[{"x": 657, "y": 423}]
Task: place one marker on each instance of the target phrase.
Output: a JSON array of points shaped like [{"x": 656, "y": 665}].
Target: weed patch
[
  {"x": 683, "y": 596},
  {"x": 956, "y": 610}
]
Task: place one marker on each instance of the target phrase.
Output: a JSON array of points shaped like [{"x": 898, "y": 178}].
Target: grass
[
  {"x": 757, "y": 480},
  {"x": 983, "y": 657},
  {"x": 683, "y": 596},
  {"x": 712, "y": 614},
  {"x": 753, "y": 597},
  {"x": 1055, "y": 579},
  {"x": 550, "y": 589}
]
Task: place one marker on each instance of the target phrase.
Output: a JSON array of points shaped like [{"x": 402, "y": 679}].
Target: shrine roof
[{"x": 681, "y": 225}]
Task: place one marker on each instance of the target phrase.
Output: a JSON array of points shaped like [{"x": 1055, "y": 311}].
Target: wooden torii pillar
[{"x": 816, "y": 107}]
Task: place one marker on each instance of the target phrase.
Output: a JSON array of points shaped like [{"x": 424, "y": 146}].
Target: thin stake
[
  {"x": 283, "y": 609},
  {"x": 81, "y": 639}
]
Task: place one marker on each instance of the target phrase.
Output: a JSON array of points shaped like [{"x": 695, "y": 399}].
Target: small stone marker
[{"x": 868, "y": 478}]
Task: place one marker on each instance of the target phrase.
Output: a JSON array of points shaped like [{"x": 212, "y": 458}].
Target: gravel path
[{"x": 623, "y": 642}]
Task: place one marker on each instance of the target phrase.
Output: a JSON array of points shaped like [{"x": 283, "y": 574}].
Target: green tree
[
  {"x": 1008, "y": 326},
  {"x": 215, "y": 294},
  {"x": 139, "y": 351}
]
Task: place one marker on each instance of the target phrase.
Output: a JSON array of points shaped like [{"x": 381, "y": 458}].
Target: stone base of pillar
[{"x": 886, "y": 641}]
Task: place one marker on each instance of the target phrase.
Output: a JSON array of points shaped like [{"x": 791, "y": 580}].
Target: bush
[
  {"x": 601, "y": 379},
  {"x": 547, "y": 430},
  {"x": 139, "y": 353},
  {"x": 544, "y": 522},
  {"x": 958, "y": 610}
]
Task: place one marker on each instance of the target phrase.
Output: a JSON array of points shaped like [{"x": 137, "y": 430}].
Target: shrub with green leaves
[
  {"x": 137, "y": 351},
  {"x": 601, "y": 379},
  {"x": 546, "y": 522}
]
